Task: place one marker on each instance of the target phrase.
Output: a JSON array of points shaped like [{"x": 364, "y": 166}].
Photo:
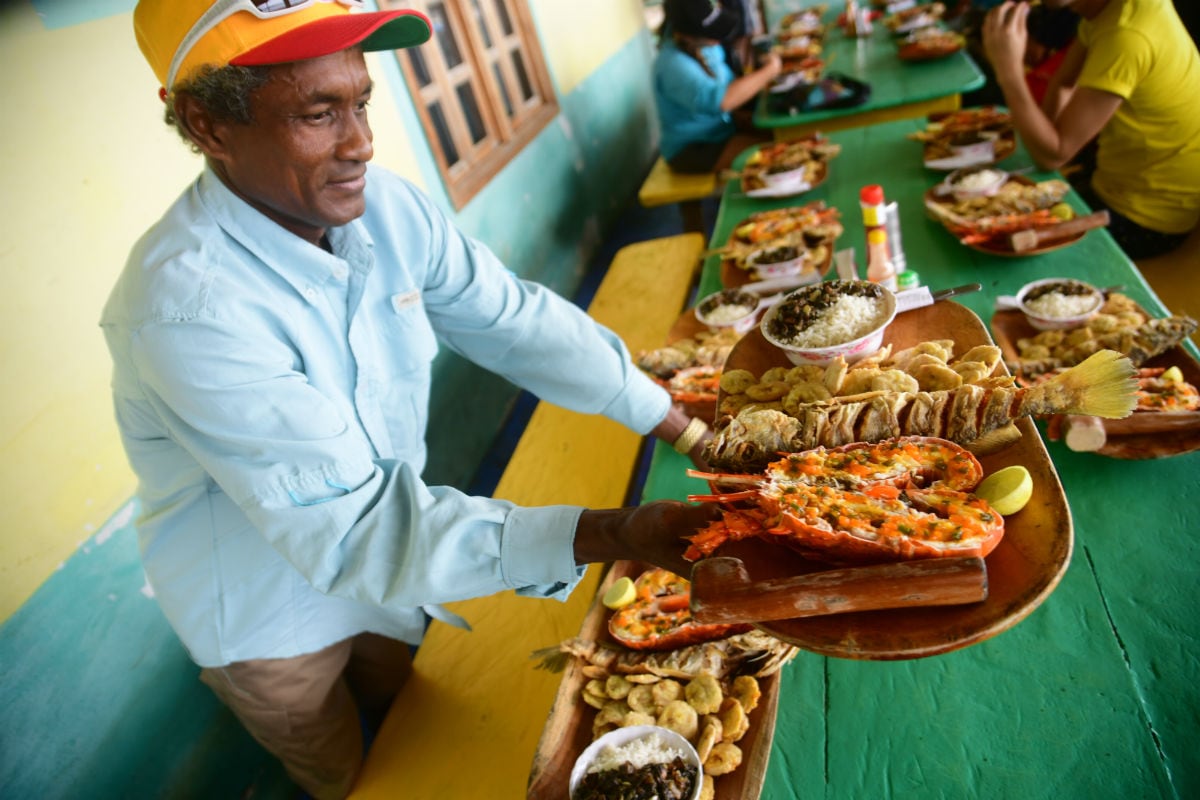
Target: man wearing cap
[
  {"x": 272, "y": 338},
  {"x": 695, "y": 91}
]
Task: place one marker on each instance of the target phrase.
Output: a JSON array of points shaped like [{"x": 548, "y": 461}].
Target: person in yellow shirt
[{"x": 1131, "y": 81}]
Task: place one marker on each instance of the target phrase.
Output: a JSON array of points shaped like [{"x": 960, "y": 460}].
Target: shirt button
[
  {"x": 310, "y": 293},
  {"x": 340, "y": 271}
]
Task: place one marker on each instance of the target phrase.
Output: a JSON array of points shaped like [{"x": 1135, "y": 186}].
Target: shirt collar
[{"x": 297, "y": 261}]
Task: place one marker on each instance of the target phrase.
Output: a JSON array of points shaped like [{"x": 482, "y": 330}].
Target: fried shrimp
[{"x": 704, "y": 693}]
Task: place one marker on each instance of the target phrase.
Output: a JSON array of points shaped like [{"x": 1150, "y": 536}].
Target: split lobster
[
  {"x": 906, "y": 498},
  {"x": 659, "y": 618}
]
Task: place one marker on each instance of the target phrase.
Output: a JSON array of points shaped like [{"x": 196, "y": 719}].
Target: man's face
[{"x": 302, "y": 160}]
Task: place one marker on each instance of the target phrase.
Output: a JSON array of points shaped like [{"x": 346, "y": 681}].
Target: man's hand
[
  {"x": 652, "y": 532},
  {"x": 1005, "y": 37}
]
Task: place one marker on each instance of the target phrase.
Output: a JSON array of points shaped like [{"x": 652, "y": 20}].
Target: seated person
[
  {"x": 1130, "y": 80},
  {"x": 696, "y": 92}
]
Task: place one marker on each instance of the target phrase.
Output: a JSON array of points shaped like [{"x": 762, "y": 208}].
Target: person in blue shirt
[
  {"x": 697, "y": 94},
  {"x": 272, "y": 339}
]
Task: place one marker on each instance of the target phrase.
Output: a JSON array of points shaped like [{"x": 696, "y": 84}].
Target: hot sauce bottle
[{"x": 880, "y": 268}]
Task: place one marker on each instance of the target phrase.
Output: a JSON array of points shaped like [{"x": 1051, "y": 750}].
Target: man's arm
[{"x": 1052, "y": 141}]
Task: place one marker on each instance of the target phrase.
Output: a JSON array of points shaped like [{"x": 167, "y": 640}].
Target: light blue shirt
[
  {"x": 688, "y": 99},
  {"x": 272, "y": 399}
]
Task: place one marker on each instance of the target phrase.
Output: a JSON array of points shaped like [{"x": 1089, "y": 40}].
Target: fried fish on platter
[
  {"x": 1101, "y": 386},
  {"x": 1139, "y": 343}
]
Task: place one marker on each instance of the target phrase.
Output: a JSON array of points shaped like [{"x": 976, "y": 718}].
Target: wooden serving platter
[
  {"x": 1000, "y": 246},
  {"x": 1022, "y": 571},
  {"x": 568, "y": 730},
  {"x": 1143, "y": 434}
]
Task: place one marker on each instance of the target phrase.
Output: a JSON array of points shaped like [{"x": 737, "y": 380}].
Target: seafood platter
[
  {"x": 927, "y": 44},
  {"x": 992, "y": 211},
  {"x": 872, "y": 462},
  {"x": 914, "y": 18},
  {"x": 965, "y": 138},
  {"x": 805, "y": 22},
  {"x": 1166, "y": 418},
  {"x": 786, "y": 169},
  {"x": 792, "y": 242},
  {"x": 648, "y": 662},
  {"x": 689, "y": 365}
]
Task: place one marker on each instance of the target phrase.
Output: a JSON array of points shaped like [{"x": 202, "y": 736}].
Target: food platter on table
[
  {"x": 1021, "y": 571},
  {"x": 914, "y": 18},
  {"x": 1145, "y": 433},
  {"x": 967, "y": 137},
  {"x": 787, "y": 169},
  {"x": 569, "y": 727},
  {"x": 812, "y": 229},
  {"x": 987, "y": 222},
  {"x": 927, "y": 44}
]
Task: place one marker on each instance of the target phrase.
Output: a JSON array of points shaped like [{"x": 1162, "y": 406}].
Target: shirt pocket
[{"x": 407, "y": 340}]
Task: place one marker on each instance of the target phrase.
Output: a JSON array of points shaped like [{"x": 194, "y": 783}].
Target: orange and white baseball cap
[{"x": 178, "y": 37}]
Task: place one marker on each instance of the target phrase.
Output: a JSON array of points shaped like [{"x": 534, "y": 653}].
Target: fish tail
[{"x": 1103, "y": 385}]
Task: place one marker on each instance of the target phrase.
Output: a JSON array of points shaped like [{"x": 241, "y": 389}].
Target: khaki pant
[{"x": 305, "y": 710}]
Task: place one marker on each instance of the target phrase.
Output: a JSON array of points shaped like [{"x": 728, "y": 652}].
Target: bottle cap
[
  {"x": 871, "y": 195},
  {"x": 908, "y": 279},
  {"x": 876, "y": 236}
]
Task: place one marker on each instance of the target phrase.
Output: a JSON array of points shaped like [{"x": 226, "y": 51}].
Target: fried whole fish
[
  {"x": 1140, "y": 343},
  {"x": 1101, "y": 386}
]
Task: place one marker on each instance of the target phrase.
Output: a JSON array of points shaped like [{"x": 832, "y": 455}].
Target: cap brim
[{"x": 376, "y": 30}]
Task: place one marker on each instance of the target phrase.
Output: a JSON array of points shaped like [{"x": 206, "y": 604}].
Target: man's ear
[{"x": 205, "y": 131}]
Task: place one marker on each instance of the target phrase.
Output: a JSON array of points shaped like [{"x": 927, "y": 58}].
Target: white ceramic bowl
[
  {"x": 761, "y": 261},
  {"x": 853, "y": 350},
  {"x": 721, "y": 310},
  {"x": 1047, "y": 320},
  {"x": 622, "y": 736},
  {"x": 964, "y": 187}
]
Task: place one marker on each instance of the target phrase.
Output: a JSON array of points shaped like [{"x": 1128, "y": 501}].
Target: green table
[
  {"x": 1096, "y": 693},
  {"x": 899, "y": 89}
]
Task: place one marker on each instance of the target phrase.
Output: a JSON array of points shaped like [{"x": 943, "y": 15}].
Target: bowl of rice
[
  {"x": 1055, "y": 304},
  {"x": 729, "y": 308},
  {"x": 819, "y": 323},
  {"x": 971, "y": 182},
  {"x": 640, "y": 762}
]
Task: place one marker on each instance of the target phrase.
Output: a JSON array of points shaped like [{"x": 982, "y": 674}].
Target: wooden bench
[
  {"x": 468, "y": 722},
  {"x": 663, "y": 186}
]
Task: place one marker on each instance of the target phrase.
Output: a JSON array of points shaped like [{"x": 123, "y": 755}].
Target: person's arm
[
  {"x": 1052, "y": 142},
  {"x": 742, "y": 90},
  {"x": 1062, "y": 82},
  {"x": 652, "y": 533}
]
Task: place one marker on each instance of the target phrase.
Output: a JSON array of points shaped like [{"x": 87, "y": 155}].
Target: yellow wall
[{"x": 87, "y": 165}]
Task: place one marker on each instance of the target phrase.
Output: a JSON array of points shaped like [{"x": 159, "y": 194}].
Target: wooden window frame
[{"x": 504, "y": 136}]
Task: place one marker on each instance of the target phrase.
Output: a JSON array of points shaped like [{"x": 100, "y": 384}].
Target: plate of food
[
  {"x": 811, "y": 229},
  {"x": 1166, "y": 420},
  {"x": 716, "y": 685},
  {"x": 914, "y": 18},
  {"x": 967, "y": 137},
  {"x": 786, "y": 169},
  {"x": 804, "y": 22},
  {"x": 689, "y": 364},
  {"x": 984, "y": 208},
  {"x": 927, "y": 44},
  {"x": 894, "y": 397}
]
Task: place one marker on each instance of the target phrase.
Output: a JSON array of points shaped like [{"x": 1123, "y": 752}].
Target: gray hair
[{"x": 223, "y": 91}]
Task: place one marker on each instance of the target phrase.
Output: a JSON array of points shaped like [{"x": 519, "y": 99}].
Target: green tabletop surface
[
  {"x": 1096, "y": 693},
  {"x": 893, "y": 82}
]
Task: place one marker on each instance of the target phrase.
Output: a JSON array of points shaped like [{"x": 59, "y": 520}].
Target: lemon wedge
[
  {"x": 1006, "y": 490},
  {"x": 620, "y": 594},
  {"x": 1172, "y": 374}
]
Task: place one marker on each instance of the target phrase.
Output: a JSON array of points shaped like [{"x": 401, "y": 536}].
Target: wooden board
[
  {"x": 1022, "y": 571},
  {"x": 1143, "y": 434},
  {"x": 568, "y": 729}
]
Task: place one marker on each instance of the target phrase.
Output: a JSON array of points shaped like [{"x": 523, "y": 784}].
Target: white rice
[
  {"x": 983, "y": 179},
  {"x": 1056, "y": 305},
  {"x": 850, "y": 317},
  {"x": 724, "y": 314},
  {"x": 650, "y": 749}
]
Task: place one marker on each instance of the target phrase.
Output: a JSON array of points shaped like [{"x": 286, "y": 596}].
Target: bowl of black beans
[{"x": 641, "y": 762}]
